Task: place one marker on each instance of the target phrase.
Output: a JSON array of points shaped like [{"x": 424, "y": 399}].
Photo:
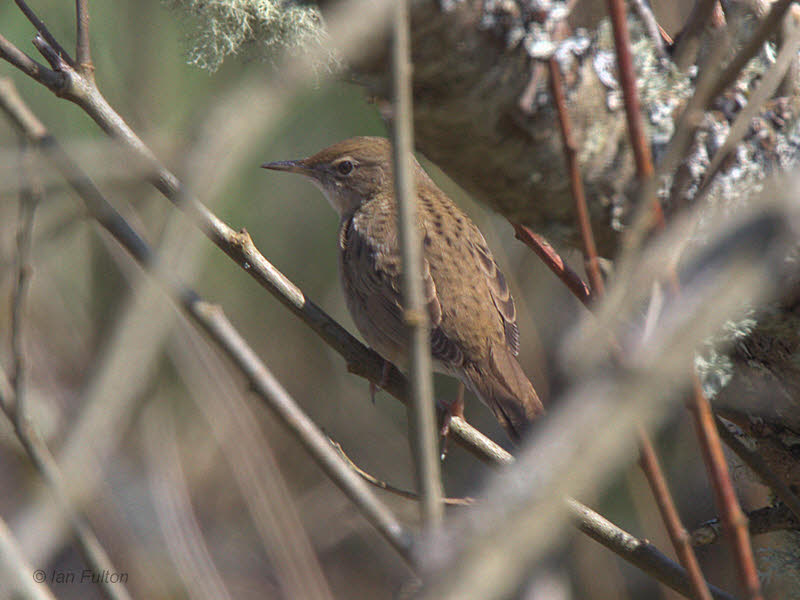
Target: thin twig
[
  {"x": 388, "y": 487},
  {"x": 422, "y": 415},
  {"x": 649, "y": 462},
  {"x": 575, "y": 182},
  {"x": 42, "y": 29},
  {"x": 687, "y": 41},
  {"x": 733, "y": 518},
  {"x": 47, "y": 77},
  {"x": 760, "y": 521},
  {"x": 35, "y": 447},
  {"x": 760, "y": 467},
  {"x": 677, "y": 532},
  {"x": 29, "y": 197},
  {"x": 766, "y": 28},
  {"x": 212, "y": 320},
  {"x": 83, "y": 47},
  {"x": 639, "y": 552},
  {"x": 554, "y": 262},
  {"x": 627, "y": 79},
  {"x": 645, "y": 13},
  {"x": 767, "y": 85},
  {"x": 16, "y": 407}
]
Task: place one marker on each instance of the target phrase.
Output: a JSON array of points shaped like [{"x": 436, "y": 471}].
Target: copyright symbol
[{"x": 39, "y": 576}]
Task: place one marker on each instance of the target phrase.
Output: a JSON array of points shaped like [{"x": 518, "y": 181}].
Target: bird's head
[{"x": 349, "y": 173}]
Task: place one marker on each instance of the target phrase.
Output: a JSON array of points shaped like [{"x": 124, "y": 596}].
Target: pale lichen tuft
[{"x": 252, "y": 29}]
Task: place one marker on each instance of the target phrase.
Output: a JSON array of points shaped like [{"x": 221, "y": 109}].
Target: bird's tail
[{"x": 503, "y": 387}]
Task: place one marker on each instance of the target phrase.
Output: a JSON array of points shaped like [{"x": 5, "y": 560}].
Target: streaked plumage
[{"x": 474, "y": 334}]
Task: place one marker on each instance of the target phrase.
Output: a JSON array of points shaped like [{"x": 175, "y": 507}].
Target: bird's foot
[{"x": 448, "y": 411}]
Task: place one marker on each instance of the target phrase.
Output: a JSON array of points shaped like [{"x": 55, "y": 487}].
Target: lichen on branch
[{"x": 257, "y": 29}]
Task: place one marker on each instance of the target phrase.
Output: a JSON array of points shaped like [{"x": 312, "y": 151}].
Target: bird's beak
[{"x": 290, "y": 166}]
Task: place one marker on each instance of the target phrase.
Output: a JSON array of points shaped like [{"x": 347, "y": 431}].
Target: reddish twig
[
  {"x": 575, "y": 183},
  {"x": 735, "y": 522},
  {"x": 733, "y": 519},
  {"x": 677, "y": 532},
  {"x": 555, "y": 263},
  {"x": 627, "y": 79}
]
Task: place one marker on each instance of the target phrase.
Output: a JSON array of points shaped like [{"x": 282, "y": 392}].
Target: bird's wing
[
  {"x": 498, "y": 288},
  {"x": 372, "y": 271}
]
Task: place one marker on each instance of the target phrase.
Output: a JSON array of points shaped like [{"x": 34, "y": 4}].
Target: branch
[
  {"x": 422, "y": 416},
  {"x": 47, "y": 77},
  {"x": 83, "y": 49},
  {"x": 699, "y": 406},
  {"x": 638, "y": 552},
  {"x": 648, "y": 459},
  {"x": 666, "y": 506},
  {"x": 760, "y": 521},
  {"x": 13, "y": 397},
  {"x": 759, "y": 466},
  {"x": 388, "y": 487},
  {"x": 43, "y": 31},
  {"x": 211, "y": 319}
]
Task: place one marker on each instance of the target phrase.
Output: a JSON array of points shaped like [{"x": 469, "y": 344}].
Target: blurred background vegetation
[{"x": 81, "y": 285}]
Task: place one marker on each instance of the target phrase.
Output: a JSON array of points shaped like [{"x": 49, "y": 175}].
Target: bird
[{"x": 474, "y": 334}]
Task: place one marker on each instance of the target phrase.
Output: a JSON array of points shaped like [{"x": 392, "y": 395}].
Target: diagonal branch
[{"x": 211, "y": 319}]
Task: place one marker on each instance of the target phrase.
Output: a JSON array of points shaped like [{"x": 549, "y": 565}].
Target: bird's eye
[{"x": 345, "y": 167}]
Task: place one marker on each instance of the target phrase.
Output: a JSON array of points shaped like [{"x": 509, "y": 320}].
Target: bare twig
[
  {"x": 761, "y": 520},
  {"x": 649, "y": 461},
  {"x": 211, "y": 319},
  {"x": 627, "y": 78},
  {"x": 35, "y": 447},
  {"x": 654, "y": 32},
  {"x": 388, "y": 487},
  {"x": 43, "y": 31},
  {"x": 766, "y": 28},
  {"x": 733, "y": 518},
  {"x": 576, "y": 185},
  {"x": 555, "y": 263},
  {"x": 766, "y": 87},
  {"x": 47, "y": 77},
  {"x": 16, "y": 407},
  {"x": 687, "y": 41},
  {"x": 677, "y": 532},
  {"x": 422, "y": 416},
  {"x": 30, "y": 195},
  {"x": 83, "y": 48},
  {"x": 759, "y": 466},
  {"x": 640, "y": 552}
]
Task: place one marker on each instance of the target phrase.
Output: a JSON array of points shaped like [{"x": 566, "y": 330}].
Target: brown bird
[{"x": 474, "y": 333}]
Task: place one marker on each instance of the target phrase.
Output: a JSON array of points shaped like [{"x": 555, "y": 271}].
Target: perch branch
[{"x": 212, "y": 320}]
